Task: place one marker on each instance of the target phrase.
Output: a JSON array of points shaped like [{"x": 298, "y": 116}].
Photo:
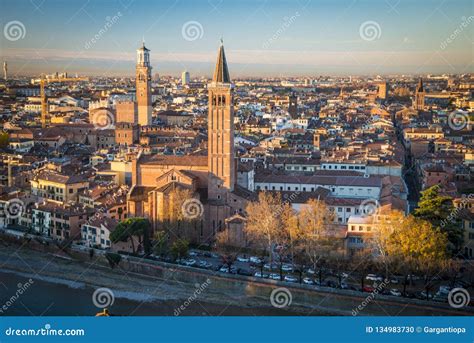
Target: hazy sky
[{"x": 262, "y": 38}]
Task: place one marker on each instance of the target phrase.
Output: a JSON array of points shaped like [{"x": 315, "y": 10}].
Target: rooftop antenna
[{"x": 222, "y": 40}]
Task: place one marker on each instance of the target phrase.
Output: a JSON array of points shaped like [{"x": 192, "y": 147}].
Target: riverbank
[
  {"x": 64, "y": 286},
  {"x": 145, "y": 282}
]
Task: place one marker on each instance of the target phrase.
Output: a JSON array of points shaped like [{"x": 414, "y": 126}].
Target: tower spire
[{"x": 221, "y": 72}]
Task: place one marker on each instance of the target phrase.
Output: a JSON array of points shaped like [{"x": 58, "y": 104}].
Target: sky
[{"x": 261, "y": 37}]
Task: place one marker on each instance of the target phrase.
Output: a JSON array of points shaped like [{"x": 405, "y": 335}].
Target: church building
[{"x": 210, "y": 178}]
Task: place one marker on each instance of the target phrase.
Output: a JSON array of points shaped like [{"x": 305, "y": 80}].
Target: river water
[{"x": 48, "y": 296}]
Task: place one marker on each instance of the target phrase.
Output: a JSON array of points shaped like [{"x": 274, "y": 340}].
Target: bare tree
[{"x": 264, "y": 221}]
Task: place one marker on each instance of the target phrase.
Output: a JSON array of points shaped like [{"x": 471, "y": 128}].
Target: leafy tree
[
  {"x": 131, "y": 228},
  {"x": 4, "y": 140},
  {"x": 160, "y": 243},
  {"x": 421, "y": 247},
  {"x": 179, "y": 249},
  {"x": 113, "y": 259},
  {"x": 438, "y": 209}
]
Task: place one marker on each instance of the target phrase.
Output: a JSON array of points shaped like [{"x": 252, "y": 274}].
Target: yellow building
[{"x": 51, "y": 185}]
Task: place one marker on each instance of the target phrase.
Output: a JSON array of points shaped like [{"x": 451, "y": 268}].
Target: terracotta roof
[{"x": 187, "y": 160}]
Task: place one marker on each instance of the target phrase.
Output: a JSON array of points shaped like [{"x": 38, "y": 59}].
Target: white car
[
  {"x": 310, "y": 271},
  {"x": 242, "y": 259},
  {"x": 259, "y": 274},
  {"x": 287, "y": 268},
  {"x": 308, "y": 281},
  {"x": 189, "y": 262},
  {"x": 395, "y": 292},
  {"x": 275, "y": 276},
  {"x": 443, "y": 289},
  {"x": 373, "y": 277},
  {"x": 344, "y": 275},
  {"x": 255, "y": 260},
  {"x": 289, "y": 278}
]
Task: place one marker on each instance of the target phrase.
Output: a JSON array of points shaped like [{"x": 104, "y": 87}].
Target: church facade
[{"x": 210, "y": 179}]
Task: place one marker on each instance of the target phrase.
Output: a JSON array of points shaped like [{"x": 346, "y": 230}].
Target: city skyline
[{"x": 280, "y": 39}]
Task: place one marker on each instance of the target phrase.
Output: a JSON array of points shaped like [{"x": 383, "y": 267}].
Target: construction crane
[{"x": 44, "y": 102}]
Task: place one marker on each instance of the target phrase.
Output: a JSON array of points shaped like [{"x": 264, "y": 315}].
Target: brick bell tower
[
  {"x": 221, "y": 161},
  {"x": 143, "y": 86}
]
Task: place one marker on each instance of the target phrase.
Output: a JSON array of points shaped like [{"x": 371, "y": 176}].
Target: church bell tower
[{"x": 221, "y": 131}]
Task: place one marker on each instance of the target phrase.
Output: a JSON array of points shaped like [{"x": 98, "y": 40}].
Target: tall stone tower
[
  {"x": 5, "y": 70},
  {"x": 382, "y": 90},
  {"x": 419, "y": 103},
  {"x": 143, "y": 86},
  {"x": 221, "y": 131},
  {"x": 293, "y": 105}
]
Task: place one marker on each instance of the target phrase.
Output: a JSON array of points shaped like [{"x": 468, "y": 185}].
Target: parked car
[
  {"x": 443, "y": 289},
  {"x": 270, "y": 266},
  {"x": 275, "y": 276},
  {"x": 242, "y": 259},
  {"x": 395, "y": 292},
  {"x": 193, "y": 253},
  {"x": 344, "y": 285},
  {"x": 373, "y": 277},
  {"x": 189, "y": 262},
  {"x": 308, "y": 281},
  {"x": 259, "y": 274},
  {"x": 368, "y": 289},
  {"x": 287, "y": 267},
  {"x": 204, "y": 264},
  {"x": 225, "y": 269},
  {"x": 394, "y": 280},
  {"x": 423, "y": 296},
  {"x": 254, "y": 259},
  {"x": 289, "y": 278},
  {"x": 310, "y": 271},
  {"x": 245, "y": 272}
]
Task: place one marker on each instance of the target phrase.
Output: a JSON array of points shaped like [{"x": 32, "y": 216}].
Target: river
[{"x": 48, "y": 296}]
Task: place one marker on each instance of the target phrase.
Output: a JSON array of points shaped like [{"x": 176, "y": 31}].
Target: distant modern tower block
[
  {"x": 143, "y": 86},
  {"x": 126, "y": 112},
  {"x": 221, "y": 131},
  {"x": 383, "y": 92},
  {"x": 293, "y": 105},
  {"x": 5, "y": 70},
  {"x": 419, "y": 102},
  {"x": 185, "y": 78}
]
